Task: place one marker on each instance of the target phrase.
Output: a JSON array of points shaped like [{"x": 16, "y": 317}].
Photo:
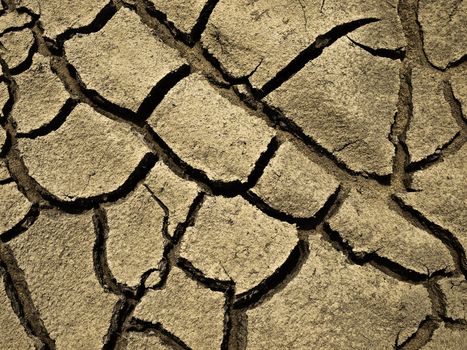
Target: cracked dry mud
[{"x": 216, "y": 174}]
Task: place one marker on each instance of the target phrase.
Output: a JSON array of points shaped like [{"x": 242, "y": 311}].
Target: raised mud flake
[
  {"x": 13, "y": 206},
  {"x": 328, "y": 294},
  {"x": 13, "y": 20},
  {"x": 232, "y": 240},
  {"x": 40, "y": 96},
  {"x": 87, "y": 156},
  {"x": 174, "y": 192},
  {"x": 56, "y": 255},
  {"x": 4, "y": 173},
  {"x": 140, "y": 341},
  {"x": 455, "y": 297},
  {"x": 3, "y": 138},
  {"x": 57, "y": 16},
  {"x": 135, "y": 241},
  {"x": 15, "y": 47},
  {"x": 293, "y": 184},
  {"x": 444, "y": 25},
  {"x": 4, "y": 96},
  {"x": 459, "y": 89},
  {"x": 191, "y": 312},
  {"x": 12, "y": 333},
  {"x": 440, "y": 194},
  {"x": 184, "y": 14},
  {"x": 345, "y": 100},
  {"x": 107, "y": 63},
  {"x": 447, "y": 338},
  {"x": 370, "y": 226},
  {"x": 261, "y": 37},
  {"x": 208, "y": 132},
  {"x": 432, "y": 125}
]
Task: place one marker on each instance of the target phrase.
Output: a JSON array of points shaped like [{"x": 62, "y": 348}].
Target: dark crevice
[
  {"x": 27, "y": 25},
  {"x": 141, "y": 326},
  {"x": 232, "y": 80},
  {"x": 165, "y": 265},
  {"x": 455, "y": 322},
  {"x": 282, "y": 122},
  {"x": 458, "y": 62},
  {"x": 169, "y": 257},
  {"x": 449, "y": 240},
  {"x": 21, "y": 301},
  {"x": 421, "y": 337},
  {"x": 27, "y": 63},
  {"x": 262, "y": 163},
  {"x": 383, "y": 264},
  {"x": 310, "y": 53},
  {"x": 214, "y": 81},
  {"x": 26, "y": 222},
  {"x": 235, "y": 328},
  {"x": 162, "y": 18},
  {"x": 6, "y": 181},
  {"x": 433, "y": 158},
  {"x": 217, "y": 187},
  {"x": 277, "y": 280},
  {"x": 457, "y": 140},
  {"x": 103, "y": 273},
  {"x": 104, "y": 15},
  {"x": 227, "y": 288},
  {"x": 14, "y": 162},
  {"x": 199, "y": 276},
  {"x": 102, "y": 270},
  {"x": 438, "y": 299},
  {"x": 21, "y": 10},
  {"x": 455, "y": 104},
  {"x": 32, "y": 14},
  {"x": 199, "y": 176},
  {"x": 239, "y": 330},
  {"x": 308, "y": 223},
  {"x": 161, "y": 266},
  {"x": 11, "y": 86},
  {"x": 161, "y": 89},
  {"x": 399, "y": 128},
  {"x": 228, "y": 321},
  {"x": 137, "y": 325},
  {"x": 202, "y": 21},
  {"x": 190, "y": 218},
  {"x": 123, "y": 308},
  {"x": 408, "y": 14},
  {"x": 16, "y": 306},
  {"x": 53, "y": 124},
  {"x": 121, "y": 112},
  {"x": 189, "y": 39},
  {"x": 79, "y": 205},
  {"x": 393, "y": 54},
  {"x": 5, "y": 148},
  {"x": 165, "y": 221},
  {"x": 147, "y": 106},
  {"x": 130, "y": 296},
  {"x": 460, "y": 324}
]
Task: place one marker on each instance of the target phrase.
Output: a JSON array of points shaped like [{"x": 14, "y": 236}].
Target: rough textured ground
[{"x": 217, "y": 174}]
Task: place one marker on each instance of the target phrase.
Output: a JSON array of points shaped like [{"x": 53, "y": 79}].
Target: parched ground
[{"x": 219, "y": 174}]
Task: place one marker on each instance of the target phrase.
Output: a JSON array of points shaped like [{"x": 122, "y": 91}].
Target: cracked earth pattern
[{"x": 249, "y": 174}]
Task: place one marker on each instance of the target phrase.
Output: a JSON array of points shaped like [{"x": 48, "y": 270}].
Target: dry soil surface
[{"x": 218, "y": 174}]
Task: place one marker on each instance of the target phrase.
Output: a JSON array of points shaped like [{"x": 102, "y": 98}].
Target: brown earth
[{"x": 216, "y": 174}]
